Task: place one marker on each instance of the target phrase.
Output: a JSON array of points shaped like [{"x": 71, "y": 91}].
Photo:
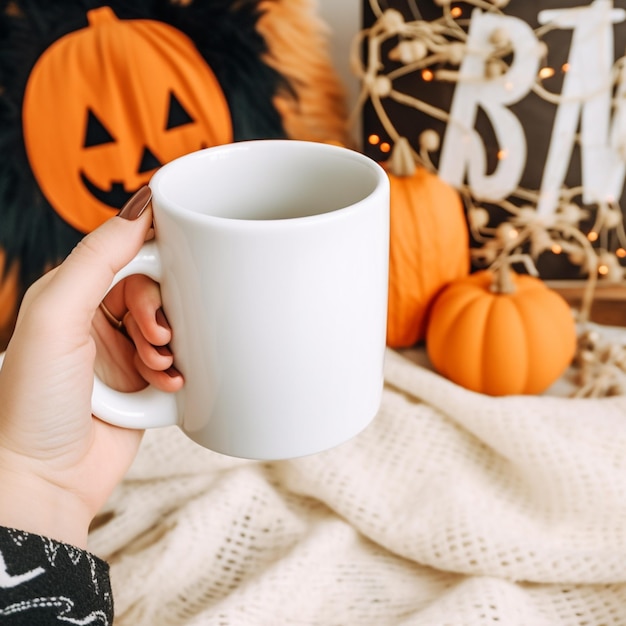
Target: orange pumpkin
[
  {"x": 429, "y": 244},
  {"x": 501, "y": 333},
  {"x": 93, "y": 136}
]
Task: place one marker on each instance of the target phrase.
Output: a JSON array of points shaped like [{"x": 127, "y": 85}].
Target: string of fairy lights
[{"x": 592, "y": 236}]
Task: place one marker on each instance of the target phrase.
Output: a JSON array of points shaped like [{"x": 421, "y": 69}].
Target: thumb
[{"x": 82, "y": 280}]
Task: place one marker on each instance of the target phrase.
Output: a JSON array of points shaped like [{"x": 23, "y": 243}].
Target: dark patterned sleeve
[{"x": 47, "y": 582}]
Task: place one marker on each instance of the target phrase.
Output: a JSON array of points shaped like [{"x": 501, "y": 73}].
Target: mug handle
[{"x": 149, "y": 407}]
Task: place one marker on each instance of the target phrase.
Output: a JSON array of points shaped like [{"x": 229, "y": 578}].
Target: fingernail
[
  {"x": 164, "y": 350},
  {"x": 161, "y": 320},
  {"x": 172, "y": 372},
  {"x": 137, "y": 204}
]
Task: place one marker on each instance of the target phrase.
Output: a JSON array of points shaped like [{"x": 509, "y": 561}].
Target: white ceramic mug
[{"x": 272, "y": 258}]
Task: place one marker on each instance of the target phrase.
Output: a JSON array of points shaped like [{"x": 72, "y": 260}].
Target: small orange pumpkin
[
  {"x": 429, "y": 244},
  {"x": 501, "y": 333}
]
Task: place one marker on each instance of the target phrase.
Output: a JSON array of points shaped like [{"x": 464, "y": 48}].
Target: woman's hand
[{"x": 58, "y": 463}]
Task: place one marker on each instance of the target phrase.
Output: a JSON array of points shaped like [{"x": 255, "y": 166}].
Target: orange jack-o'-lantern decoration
[{"x": 108, "y": 104}]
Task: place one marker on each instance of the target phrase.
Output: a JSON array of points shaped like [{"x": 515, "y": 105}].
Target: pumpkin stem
[
  {"x": 502, "y": 282},
  {"x": 101, "y": 15},
  {"x": 502, "y": 272},
  {"x": 402, "y": 162}
]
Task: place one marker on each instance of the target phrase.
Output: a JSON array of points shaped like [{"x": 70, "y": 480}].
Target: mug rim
[{"x": 381, "y": 184}]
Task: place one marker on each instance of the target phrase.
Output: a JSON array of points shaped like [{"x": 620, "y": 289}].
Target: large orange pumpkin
[
  {"x": 501, "y": 334},
  {"x": 429, "y": 244},
  {"x": 94, "y": 135}
]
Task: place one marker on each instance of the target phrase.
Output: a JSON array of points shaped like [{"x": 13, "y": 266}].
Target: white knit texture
[{"x": 451, "y": 509}]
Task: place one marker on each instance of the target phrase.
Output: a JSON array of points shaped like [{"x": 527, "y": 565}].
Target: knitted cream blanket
[{"x": 452, "y": 508}]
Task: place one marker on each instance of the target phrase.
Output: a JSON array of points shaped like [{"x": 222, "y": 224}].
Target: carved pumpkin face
[{"x": 106, "y": 105}]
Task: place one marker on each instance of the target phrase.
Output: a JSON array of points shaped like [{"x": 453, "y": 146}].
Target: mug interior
[{"x": 267, "y": 180}]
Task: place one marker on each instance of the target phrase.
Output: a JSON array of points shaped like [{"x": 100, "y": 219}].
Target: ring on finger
[{"x": 117, "y": 323}]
